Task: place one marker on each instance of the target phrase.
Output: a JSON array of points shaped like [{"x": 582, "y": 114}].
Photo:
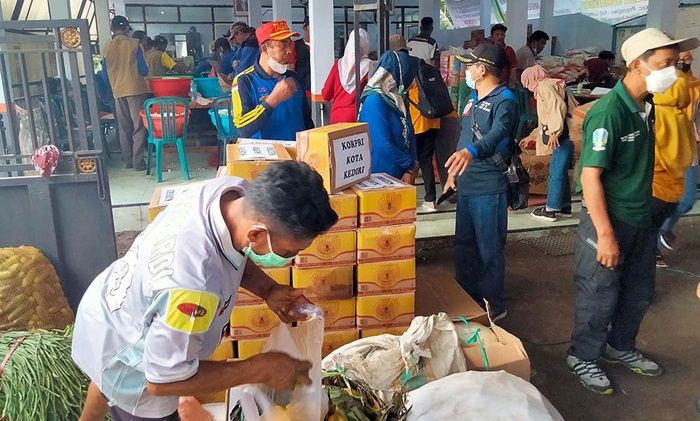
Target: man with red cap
[{"x": 268, "y": 99}]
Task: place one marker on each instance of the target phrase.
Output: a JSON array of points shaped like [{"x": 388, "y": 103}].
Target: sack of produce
[
  {"x": 428, "y": 350},
  {"x": 31, "y": 292},
  {"x": 38, "y": 379}
]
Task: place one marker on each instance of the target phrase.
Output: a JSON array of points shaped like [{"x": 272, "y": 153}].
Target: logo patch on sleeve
[
  {"x": 190, "y": 311},
  {"x": 600, "y": 139}
]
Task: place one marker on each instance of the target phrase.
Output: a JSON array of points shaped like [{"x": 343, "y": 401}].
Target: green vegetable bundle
[
  {"x": 39, "y": 380},
  {"x": 355, "y": 400}
]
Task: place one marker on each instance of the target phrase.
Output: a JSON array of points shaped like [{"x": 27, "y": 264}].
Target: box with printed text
[
  {"x": 326, "y": 283},
  {"x": 390, "y": 310},
  {"x": 289, "y": 145},
  {"x": 384, "y": 200},
  {"x": 334, "y": 339},
  {"x": 344, "y": 204},
  {"x": 330, "y": 249},
  {"x": 338, "y": 314},
  {"x": 280, "y": 275},
  {"x": 379, "y": 244},
  {"x": 165, "y": 195},
  {"x": 252, "y": 322},
  {"x": 250, "y": 160},
  {"x": 340, "y": 152},
  {"x": 386, "y": 277}
]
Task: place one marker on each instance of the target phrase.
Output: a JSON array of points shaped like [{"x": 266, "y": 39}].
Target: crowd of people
[{"x": 637, "y": 169}]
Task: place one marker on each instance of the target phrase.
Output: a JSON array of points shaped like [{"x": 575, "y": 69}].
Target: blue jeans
[
  {"x": 480, "y": 238},
  {"x": 687, "y": 201},
  {"x": 558, "y": 186}
]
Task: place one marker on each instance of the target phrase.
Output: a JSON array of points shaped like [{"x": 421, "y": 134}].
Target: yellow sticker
[{"x": 190, "y": 311}]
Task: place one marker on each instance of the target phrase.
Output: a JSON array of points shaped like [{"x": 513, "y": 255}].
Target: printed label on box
[
  {"x": 168, "y": 194},
  {"x": 378, "y": 181},
  {"x": 353, "y": 162},
  {"x": 257, "y": 151}
]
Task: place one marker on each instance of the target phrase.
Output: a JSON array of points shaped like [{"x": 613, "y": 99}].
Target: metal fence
[{"x": 48, "y": 84}]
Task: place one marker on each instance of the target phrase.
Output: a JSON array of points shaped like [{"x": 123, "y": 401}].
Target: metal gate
[{"x": 48, "y": 84}]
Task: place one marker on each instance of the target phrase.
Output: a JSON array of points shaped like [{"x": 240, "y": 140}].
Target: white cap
[{"x": 651, "y": 39}]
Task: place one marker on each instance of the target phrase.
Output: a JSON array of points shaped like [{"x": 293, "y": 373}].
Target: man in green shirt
[{"x": 616, "y": 244}]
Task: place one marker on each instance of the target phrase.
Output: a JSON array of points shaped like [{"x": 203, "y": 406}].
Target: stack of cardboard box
[{"x": 386, "y": 271}]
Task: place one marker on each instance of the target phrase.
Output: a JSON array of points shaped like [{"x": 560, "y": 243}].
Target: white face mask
[
  {"x": 276, "y": 66},
  {"x": 658, "y": 81}
]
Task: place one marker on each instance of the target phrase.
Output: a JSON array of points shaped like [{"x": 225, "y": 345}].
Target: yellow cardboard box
[
  {"x": 163, "y": 196},
  {"x": 379, "y": 244},
  {"x": 222, "y": 353},
  {"x": 330, "y": 249},
  {"x": 252, "y": 322},
  {"x": 289, "y": 145},
  {"x": 386, "y": 277},
  {"x": 397, "y": 331},
  {"x": 249, "y": 160},
  {"x": 249, "y": 347},
  {"x": 384, "y": 200},
  {"x": 327, "y": 283},
  {"x": 340, "y": 152},
  {"x": 391, "y": 310},
  {"x": 345, "y": 205},
  {"x": 338, "y": 314},
  {"x": 280, "y": 275},
  {"x": 335, "y": 339}
]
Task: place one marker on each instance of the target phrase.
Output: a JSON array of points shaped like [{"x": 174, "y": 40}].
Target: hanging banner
[{"x": 465, "y": 13}]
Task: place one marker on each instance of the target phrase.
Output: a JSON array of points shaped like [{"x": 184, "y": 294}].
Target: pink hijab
[{"x": 532, "y": 76}]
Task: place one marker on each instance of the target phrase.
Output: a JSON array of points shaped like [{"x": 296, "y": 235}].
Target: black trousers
[
  {"x": 611, "y": 304},
  {"x": 660, "y": 211},
  {"x": 425, "y": 148}
]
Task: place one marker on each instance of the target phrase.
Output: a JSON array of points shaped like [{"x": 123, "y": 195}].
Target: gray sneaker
[
  {"x": 633, "y": 360},
  {"x": 590, "y": 374}
]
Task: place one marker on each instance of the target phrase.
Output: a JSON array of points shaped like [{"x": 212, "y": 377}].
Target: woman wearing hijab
[
  {"x": 384, "y": 109},
  {"x": 340, "y": 84},
  {"x": 551, "y": 112}
]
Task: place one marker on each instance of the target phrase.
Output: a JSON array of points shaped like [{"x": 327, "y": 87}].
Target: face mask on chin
[
  {"x": 659, "y": 81},
  {"x": 276, "y": 66}
]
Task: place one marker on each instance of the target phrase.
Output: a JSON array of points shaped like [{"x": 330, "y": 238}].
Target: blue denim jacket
[{"x": 495, "y": 116}]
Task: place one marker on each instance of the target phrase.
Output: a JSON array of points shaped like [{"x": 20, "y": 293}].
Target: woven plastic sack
[{"x": 31, "y": 292}]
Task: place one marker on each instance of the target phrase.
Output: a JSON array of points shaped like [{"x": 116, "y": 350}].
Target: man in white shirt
[
  {"x": 527, "y": 55},
  {"x": 423, "y": 45},
  {"x": 147, "y": 323}
]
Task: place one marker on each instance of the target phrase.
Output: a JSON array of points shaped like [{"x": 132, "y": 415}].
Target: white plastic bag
[
  {"x": 428, "y": 350},
  {"x": 304, "y": 403},
  {"x": 477, "y": 395}
]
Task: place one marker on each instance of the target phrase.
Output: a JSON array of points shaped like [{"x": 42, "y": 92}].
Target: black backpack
[{"x": 433, "y": 97}]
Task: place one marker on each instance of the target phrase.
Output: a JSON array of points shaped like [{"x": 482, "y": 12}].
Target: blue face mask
[
  {"x": 269, "y": 260},
  {"x": 469, "y": 79}
]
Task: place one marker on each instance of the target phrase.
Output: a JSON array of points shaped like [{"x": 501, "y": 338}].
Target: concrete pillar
[
  {"x": 516, "y": 21},
  {"x": 485, "y": 17},
  {"x": 547, "y": 16},
  {"x": 59, "y": 9},
  {"x": 119, "y": 7},
  {"x": 255, "y": 13},
  {"x": 282, "y": 10},
  {"x": 662, "y": 14},
  {"x": 321, "y": 26},
  {"x": 104, "y": 34}
]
